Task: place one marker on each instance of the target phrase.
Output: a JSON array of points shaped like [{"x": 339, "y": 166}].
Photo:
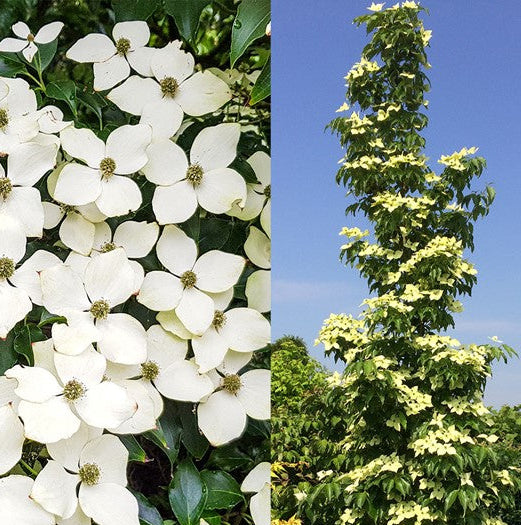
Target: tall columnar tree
[{"x": 418, "y": 446}]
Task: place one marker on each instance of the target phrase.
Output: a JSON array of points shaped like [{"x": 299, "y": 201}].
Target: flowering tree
[
  {"x": 134, "y": 264},
  {"x": 418, "y": 446}
]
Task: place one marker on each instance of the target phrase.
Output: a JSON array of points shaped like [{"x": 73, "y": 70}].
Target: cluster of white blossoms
[{"x": 100, "y": 373}]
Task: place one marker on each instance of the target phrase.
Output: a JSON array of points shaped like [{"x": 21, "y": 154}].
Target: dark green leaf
[
  {"x": 8, "y": 356},
  {"x": 223, "y": 491},
  {"x": 63, "y": 90},
  {"x": 136, "y": 452},
  {"x": 262, "y": 87},
  {"x": 214, "y": 234},
  {"x": 187, "y": 494},
  {"x": 249, "y": 25},
  {"x": 167, "y": 436},
  {"x": 228, "y": 457},
  {"x": 193, "y": 440},
  {"x": 186, "y": 14},
  {"x": 24, "y": 338},
  {"x": 148, "y": 514},
  {"x": 9, "y": 65},
  {"x": 47, "y": 53},
  {"x": 125, "y": 10}
]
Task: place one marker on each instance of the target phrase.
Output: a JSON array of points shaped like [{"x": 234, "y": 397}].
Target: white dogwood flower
[
  {"x": 53, "y": 404},
  {"x": 258, "y": 248},
  {"x": 175, "y": 88},
  {"x": 259, "y": 193},
  {"x": 102, "y": 180},
  {"x": 258, "y": 482},
  {"x": 26, "y": 165},
  {"x": 17, "y": 506},
  {"x": 86, "y": 301},
  {"x": 12, "y": 434},
  {"x": 112, "y": 58},
  {"x": 98, "y": 467},
  {"x": 26, "y": 41},
  {"x": 222, "y": 416},
  {"x": 206, "y": 180},
  {"x": 50, "y": 120},
  {"x": 258, "y": 290},
  {"x": 183, "y": 290}
]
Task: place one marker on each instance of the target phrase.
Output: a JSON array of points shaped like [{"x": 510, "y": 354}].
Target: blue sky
[{"x": 476, "y": 56}]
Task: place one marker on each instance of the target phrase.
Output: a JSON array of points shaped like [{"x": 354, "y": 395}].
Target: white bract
[
  {"x": 183, "y": 290},
  {"x": 86, "y": 302},
  {"x": 26, "y": 41},
  {"x": 222, "y": 416},
  {"x": 53, "y": 403},
  {"x": 111, "y": 59},
  {"x": 258, "y": 248},
  {"x": 98, "y": 465},
  {"x": 258, "y": 291},
  {"x": 175, "y": 89},
  {"x": 102, "y": 180},
  {"x": 258, "y": 483},
  {"x": 206, "y": 180}
]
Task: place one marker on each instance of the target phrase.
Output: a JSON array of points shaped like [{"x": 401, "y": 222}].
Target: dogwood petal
[
  {"x": 102, "y": 235},
  {"x": 26, "y": 205},
  {"x": 260, "y": 161},
  {"x": 255, "y": 393},
  {"x": 110, "y": 277},
  {"x": 48, "y": 33},
  {"x": 209, "y": 349},
  {"x": 30, "y": 51},
  {"x": 136, "y": 31},
  {"x": 135, "y": 93},
  {"x": 127, "y": 146},
  {"x": 110, "y": 72},
  {"x": 88, "y": 367},
  {"x": 77, "y": 184},
  {"x": 222, "y": 299},
  {"x": 95, "y": 47},
  {"x": 109, "y": 504},
  {"x": 52, "y": 215},
  {"x": 105, "y": 405},
  {"x": 91, "y": 212},
  {"x": 110, "y": 455},
  {"x": 83, "y": 144},
  {"x": 34, "y": 384},
  {"x": 220, "y": 189},
  {"x": 74, "y": 337},
  {"x": 234, "y": 362},
  {"x": 140, "y": 60},
  {"x": 257, "y": 478},
  {"x": 216, "y": 147},
  {"x": 258, "y": 248},
  {"x": 245, "y": 330},
  {"x": 160, "y": 291},
  {"x": 171, "y": 61},
  {"x": 221, "y": 418},
  {"x": 119, "y": 196},
  {"x": 260, "y": 506},
  {"x": 14, "y": 306},
  {"x": 28, "y": 163},
  {"x": 164, "y": 119},
  {"x": 78, "y": 518},
  {"x": 252, "y": 206},
  {"x": 17, "y": 507},
  {"x": 21, "y": 30},
  {"x": 195, "y": 310},
  {"x": 202, "y": 93},
  {"x": 265, "y": 218},
  {"x": 182, "y": 381},
  {"x": 165, "y": 348},
  {"x": 63, "y": 290},
  {"x": 12, "y": 45},
  {"x": 55, "y": 490},
  {"x": 170, "y": 322},
  {"x": 77, "y": 233},
  {"x": 13, "y": 237},
  {"x": 11, "y": 438},
  {"x": 166, "y": 164},
  {"x": 174, "y": 204},
  {"x": 176, "y": 250},
  {"x": 136, "y": 238},
  {"x": 48, "y": 422},
  {"x": 218, "y": 271},
  {"x": 258, "y": 291}
]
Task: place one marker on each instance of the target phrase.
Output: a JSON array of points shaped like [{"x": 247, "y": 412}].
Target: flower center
[
  {"x": 74, "y": 390},
  {"x": 267, "y": 191},
  {"x": 150, "y": 370},
  {"x": 194, "y": 174},
  {"x": 188, "y": 279},
  {"x": 6, "y": 187},
  {"x": 67, "y": 208},
  {"x": 90, "y": 474},
  {"x": 231, "y": 383},
  {"x": 30, "y": 37},
  {"x": 6, "y": 268},
  {"x": 4, "y": 118},
  {"x": 123, "y": 46},
  {"x": 100, "y": 309},
  {"x": 219, "y": 319},
  {"x": 169, "y": 86},
  {"x": 107, "y": 167},
  {"x": 108, "y": 247}
]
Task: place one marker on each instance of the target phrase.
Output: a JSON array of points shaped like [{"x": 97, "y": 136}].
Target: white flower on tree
[
  {"x": 98, "y": 467},
  {"x": 258, "y": 248},
  {"x": 17, "y": 506},
  {"x": 26, "y": 165},
  {"x": 258, "y": 482},
  {"x": 86, "y": 302},
  {"x": 222, "y": 417},
  {"x": 206, "y": 180},
  {"x": 103, "y": 179},
  {"x": 258, "y": 290},
  {"x": 176, "y": 87},
  {"x": 53, "y": 404},
  {"x": 26, "y": 41},
  {"x": 113, "y": 59},
  {"x": 183, "y": 290}
]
